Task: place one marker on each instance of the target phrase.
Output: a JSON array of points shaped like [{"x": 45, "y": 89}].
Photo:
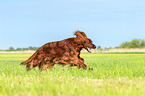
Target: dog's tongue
[{"x": 89, "y": 50}]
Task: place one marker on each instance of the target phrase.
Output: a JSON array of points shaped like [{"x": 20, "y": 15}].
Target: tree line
[
  {"x": 135, "y": 43},
  {"x": 22, "y": 49}
]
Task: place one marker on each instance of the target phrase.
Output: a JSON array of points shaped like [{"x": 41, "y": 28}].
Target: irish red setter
[{"x": 65, "y": 52}]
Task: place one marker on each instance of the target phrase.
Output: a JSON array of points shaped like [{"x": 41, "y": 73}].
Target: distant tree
[
  {"x": 135, "y": 43},
  {"x": 99, "y": 47},
  {"x": 124, "y": 45},
  {"x": 31, "y": 48},
  {"x": 19, "y": 49},
  {"x": 11, "y": 49},
  {"x": 25, "y": 49},
  {"x": 142, "y": 43}
]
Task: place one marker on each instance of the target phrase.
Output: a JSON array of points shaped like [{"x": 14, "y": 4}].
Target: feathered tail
[{"x": 30, "y": 59}]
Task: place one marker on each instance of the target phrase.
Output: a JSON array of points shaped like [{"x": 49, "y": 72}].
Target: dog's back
[
  {"x": 57, "y": 52},
  {"x": 62, "y": 52}
]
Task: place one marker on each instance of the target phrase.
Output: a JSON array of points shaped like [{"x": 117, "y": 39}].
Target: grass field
[{"x": 114, "y": 74}]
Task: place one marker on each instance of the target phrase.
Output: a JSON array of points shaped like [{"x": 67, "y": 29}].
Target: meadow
[{"x": 113, "y": 74}]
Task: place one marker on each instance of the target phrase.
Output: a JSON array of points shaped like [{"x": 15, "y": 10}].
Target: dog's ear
[{"x": 80, "y": 34}]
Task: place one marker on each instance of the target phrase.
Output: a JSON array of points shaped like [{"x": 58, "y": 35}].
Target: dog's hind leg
[
  {"x": 49, "y": 62},
  {"x": 41, "y": 65},
  {"x": 30, "y": 65},
  {"x": 48, "y": 65}
]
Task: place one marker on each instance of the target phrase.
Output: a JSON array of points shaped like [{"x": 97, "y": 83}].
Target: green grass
[{"x": 113, "y": 75}]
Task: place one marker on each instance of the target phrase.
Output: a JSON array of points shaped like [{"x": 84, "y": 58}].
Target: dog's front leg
[
  {"x": 84, "y": 66},
  {"x": 81, "y": 63}
]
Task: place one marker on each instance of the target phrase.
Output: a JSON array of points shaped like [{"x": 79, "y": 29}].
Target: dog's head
[{"x": 84, "y": 41}]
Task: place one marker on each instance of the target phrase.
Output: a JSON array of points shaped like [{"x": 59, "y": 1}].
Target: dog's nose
[{"x": 94, "y": 46}]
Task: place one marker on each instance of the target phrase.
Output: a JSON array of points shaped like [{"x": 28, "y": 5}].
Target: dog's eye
[{"x": 90, "y": 41}]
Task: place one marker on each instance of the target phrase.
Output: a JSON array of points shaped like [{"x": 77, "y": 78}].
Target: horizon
[
  {"x": 108, "y": 23},
  {"x": 55, "y": 41},
  {"x": 130, "y": 44}
]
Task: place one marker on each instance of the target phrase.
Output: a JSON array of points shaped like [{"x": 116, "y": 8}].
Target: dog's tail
[{"x": 30, "y": 59}]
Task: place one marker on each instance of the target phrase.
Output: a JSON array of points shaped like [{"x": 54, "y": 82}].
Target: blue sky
[{"x": 108, "y": 23}]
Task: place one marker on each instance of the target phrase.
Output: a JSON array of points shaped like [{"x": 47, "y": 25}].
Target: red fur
[{"x": 62, "y": 52}]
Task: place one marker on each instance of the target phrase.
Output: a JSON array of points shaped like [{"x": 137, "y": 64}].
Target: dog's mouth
[{"x": 88, "y": 49}]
